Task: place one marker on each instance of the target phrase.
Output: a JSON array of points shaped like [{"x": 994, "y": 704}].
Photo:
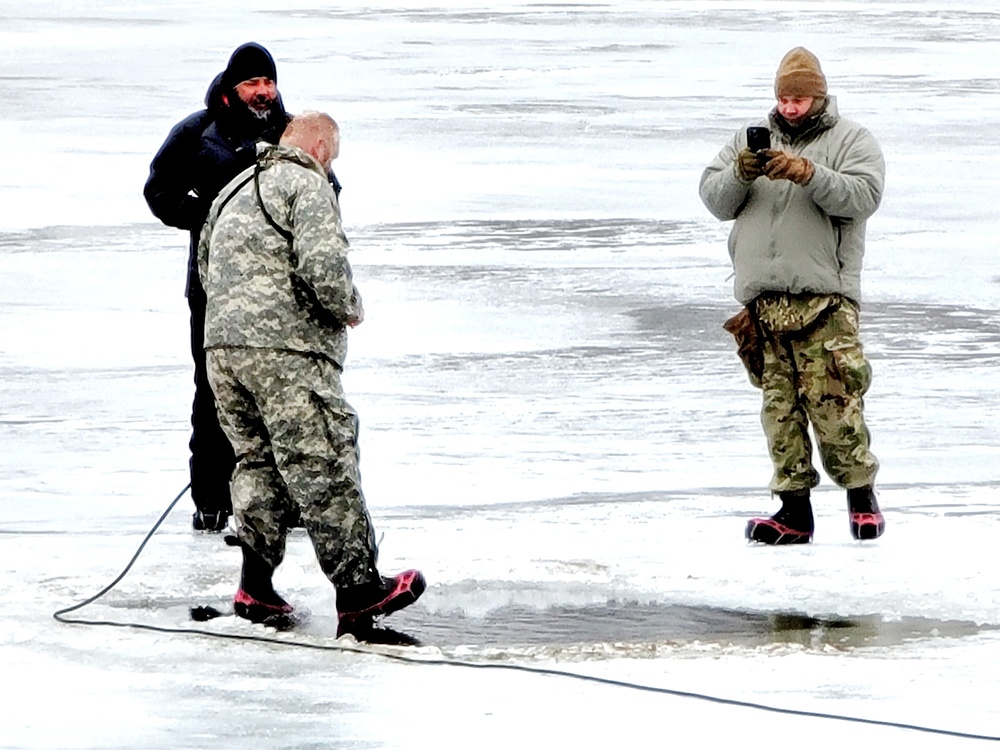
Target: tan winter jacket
[{"x": 800, "y": 239}]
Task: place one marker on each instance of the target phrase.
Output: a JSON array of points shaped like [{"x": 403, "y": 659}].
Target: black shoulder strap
[
  {"x": 260, "y": 202},
  {"x": 230, "y": 196}
]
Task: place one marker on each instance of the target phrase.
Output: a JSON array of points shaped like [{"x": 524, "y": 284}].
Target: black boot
[
  {"x": 210, "y": 520},
  {"x": 867, "y": 521},
  {"x": 256, "y": 599},
  {"x": 792, "y": 524},
  {"x": 358, "y": 606}
]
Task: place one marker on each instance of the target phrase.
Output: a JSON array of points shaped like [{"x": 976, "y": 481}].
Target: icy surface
[{"x": 554, "y": 425}]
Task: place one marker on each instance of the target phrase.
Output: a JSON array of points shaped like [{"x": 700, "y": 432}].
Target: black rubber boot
[
  {"x": 212, "y": 521},
  {"x": 792, "y": 524},
  {"x": 867, "y": 521},
  {"x": 358, "y": 606},
  {"x": 256, "y": 600}
]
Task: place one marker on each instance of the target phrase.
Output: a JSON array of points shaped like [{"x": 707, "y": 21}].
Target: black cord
[
  {"x": 436, "y": 662},
  {"x": 58, "y": 615}
]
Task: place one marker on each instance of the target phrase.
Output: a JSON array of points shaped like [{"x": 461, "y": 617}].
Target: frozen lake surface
[{"x": 555, "y": 428}]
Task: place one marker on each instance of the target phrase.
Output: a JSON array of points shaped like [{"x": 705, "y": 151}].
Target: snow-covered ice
[{"x": 554, "y": 425}]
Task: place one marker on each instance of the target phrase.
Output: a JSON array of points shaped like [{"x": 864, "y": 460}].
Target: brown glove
[
  {"x": 748, "y": 166},
  {"x": 784, "y": 166}
]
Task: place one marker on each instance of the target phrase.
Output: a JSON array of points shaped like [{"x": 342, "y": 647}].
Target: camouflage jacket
[
  {"x": 800, "y": 239},
  {"x": 266, "y": 291}
]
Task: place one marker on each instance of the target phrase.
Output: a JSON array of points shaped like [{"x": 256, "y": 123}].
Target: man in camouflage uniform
[
  {"x": 273, "y": 260},
  {"x": 797, "y": 246}
]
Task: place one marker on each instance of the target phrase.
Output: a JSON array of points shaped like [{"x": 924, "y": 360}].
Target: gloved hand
[
  {"x": 356, "y": 313},
  {"x": 784, "y": 166},
  {"x": 748, "y": 166}
]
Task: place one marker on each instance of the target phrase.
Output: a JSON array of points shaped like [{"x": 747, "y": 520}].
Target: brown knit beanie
[{"x": 799, "y": 74}]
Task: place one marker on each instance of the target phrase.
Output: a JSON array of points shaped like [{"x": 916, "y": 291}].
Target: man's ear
[
  {"x": 225, "y": 100},
  {"x": 323, "y": 153}
]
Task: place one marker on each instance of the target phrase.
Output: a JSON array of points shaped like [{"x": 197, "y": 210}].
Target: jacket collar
[
  {"x": 269, "y": 154},
  {"x": 819, "y": 123}
]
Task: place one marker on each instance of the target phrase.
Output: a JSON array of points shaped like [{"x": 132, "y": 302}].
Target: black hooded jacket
[{"x": 201, "y": 154}]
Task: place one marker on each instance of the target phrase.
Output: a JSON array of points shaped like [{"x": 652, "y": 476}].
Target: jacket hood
[{"x": 213, "y": 96}]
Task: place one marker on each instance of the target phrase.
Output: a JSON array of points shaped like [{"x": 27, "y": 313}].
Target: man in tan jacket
[{"x": 799, "y": 210}]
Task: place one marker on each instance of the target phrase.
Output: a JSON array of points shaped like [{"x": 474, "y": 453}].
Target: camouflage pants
[
  {"x": 815, "y": 372},
  {"x": 295, "y": 439}
]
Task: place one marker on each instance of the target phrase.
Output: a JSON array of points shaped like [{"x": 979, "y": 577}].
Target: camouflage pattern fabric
[
  {"x": 783, "y": 313},
  {"x": 815, "y": 372},
  {"x": 263, "y": 290},
  {"x": 275, "y": 338},
  {"x": 295, "y": 438}
]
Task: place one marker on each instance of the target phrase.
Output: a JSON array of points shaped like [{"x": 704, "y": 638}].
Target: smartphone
[{"x": 758, "y": 138}]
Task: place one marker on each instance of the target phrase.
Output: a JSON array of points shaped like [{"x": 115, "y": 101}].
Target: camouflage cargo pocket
[{"x": 852, "y": 368}]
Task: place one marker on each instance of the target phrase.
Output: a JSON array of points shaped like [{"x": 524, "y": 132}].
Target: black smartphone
[{"x": 758, "y": 138}]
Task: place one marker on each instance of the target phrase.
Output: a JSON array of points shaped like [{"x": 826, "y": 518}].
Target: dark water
[{"x": 631, "y": 626}]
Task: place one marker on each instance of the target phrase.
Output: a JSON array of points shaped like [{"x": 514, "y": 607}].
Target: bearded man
[{"x": 201, "y": 154}]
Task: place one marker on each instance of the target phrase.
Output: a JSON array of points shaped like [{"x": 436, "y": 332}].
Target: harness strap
[
  {"x": 260, "y": 202},
  {"x": 230, "y": 196}
]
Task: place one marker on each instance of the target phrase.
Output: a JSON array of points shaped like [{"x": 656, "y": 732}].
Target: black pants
[{"x": 212, "y": 457}]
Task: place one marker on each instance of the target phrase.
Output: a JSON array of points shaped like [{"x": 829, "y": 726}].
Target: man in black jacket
[{"x": 201, "y": 154}]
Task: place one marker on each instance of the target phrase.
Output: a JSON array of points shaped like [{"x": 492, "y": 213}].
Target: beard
[
  {"x": 256, "y": 119},
  {"x": 262, "y": 108}
]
